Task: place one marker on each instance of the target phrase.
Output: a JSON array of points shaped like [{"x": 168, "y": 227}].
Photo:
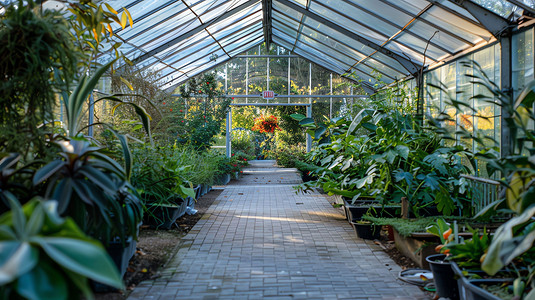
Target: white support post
[
  {"x": 228, "y": 144},
  {"x": 289, "y": 80},
  {"x": 309, "y": 137},
  {"x": 247, "y": 78},
  {"x": 331, "y": 99},
  {"x": 91, "y": 114}
]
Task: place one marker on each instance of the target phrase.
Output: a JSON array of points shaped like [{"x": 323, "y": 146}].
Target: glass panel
[
  {"x": 322, "y": 56},
  {"x": 168, "y": 19},
  {"x": 452, "y": 6},
  {"x": 285, "y": 20},
  {"x": 500, "y": 7},
  {"x": 465, "y": 117},
  {"x": 321, "y": 81},
  {"x": 456, "y": 25},
  {"x": 236, "y": 76},
  {"x": 286, "y": 10},
  {"x": 291, "y": 33},
  {"x": 244, "y": 43},
  {"x": 250, "y": 14},
  {"x": 379, "y": 34},
  {"x": 326, "y": 52},
  {"x": 413, "y": 55},
  {"x": 247, "y": 46},
  {"x": 484, "y": 121},
  {"x": 278, "y": 75},
  {"x": 522, "y": 60},
  {"x": 299, "y": 77},
  {"x": 239, "y": 37},
  {"x": 257, "y": 76},
  {"x": 419, "y": 45},
  {"x": 442, "y": 39}
]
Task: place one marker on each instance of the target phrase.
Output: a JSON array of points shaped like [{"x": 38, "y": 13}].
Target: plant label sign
[{"x": 268, "y": 95}]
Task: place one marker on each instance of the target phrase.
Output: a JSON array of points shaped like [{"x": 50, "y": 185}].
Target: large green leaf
[
  {"x": 319, "y": 132},
  {"x": 84, "y": 258},
  {"x": 43, "y": 283},
  {"x": 48, "y": 170},
  {"x": 505, "y": 246},
  {"x": 78, "y": 98},
  {"x": 307, "y": 122},
  {"x": 16, "y": 258},
  {"x": 297, "y": 117}
]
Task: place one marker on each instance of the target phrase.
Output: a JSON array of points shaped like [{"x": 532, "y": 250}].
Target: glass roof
[{"x": 387, "y": 38}]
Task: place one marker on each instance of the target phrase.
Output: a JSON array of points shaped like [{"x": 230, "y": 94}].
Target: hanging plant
[{"x": 266, "y": 124}]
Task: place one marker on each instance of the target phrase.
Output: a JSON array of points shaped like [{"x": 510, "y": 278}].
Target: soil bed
[{"x": 156, "y": 247}]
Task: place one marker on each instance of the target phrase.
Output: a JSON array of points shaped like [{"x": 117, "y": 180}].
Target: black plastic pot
[
  {"x": 443, "y": 276},
  {"x": 164, "y": 216},
  {"x": 367, "y": 231},
  {"x": 471, "y": 288},
  {"x": 360, "y": 207},
  {"x": 120, "y": 254}
]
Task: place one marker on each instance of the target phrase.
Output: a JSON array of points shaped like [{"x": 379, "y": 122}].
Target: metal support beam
[
  {"x": 491, "y": 21},
  {"x": 288, "y": 96},
  {"x": 91, "y": 115},
  {"x": 406, "y": 63},
  {"x": 194, "y": 31},
  {"x": 266, "y": 8},
  {"x": 269, "y": 104},
  {"x": 228, "y": 143},
  {"x": 309, "y": 137},
  {"x": 506, "y": 86}
]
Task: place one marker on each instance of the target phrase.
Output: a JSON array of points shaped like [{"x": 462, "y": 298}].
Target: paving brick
[{"x": 261, "y": 240}]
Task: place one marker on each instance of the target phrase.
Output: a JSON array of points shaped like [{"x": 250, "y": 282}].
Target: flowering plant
[{"x": 266, "y": 124}]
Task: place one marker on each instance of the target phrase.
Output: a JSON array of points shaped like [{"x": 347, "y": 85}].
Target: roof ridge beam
[
  {"x": 194, "y": 31},
  {"x": 266, "y": 20},
  {"x": 409, "y": 65},
  {"x": 492, "y": 22}
]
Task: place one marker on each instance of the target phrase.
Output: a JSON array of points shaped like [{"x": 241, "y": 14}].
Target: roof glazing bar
[
  {"x": 401, "y": 9},
  {"x": 266, "y": 7},
  {"x": 194, "y": 31},
  {"x": 337, "y": 41},
  {"x": 380, "y": 33},
  {"x": 401, "y": 29},
  {"x": 344, "y": 54},
  {"x": 205, "y": 29},
  {"x": 193, "y": 44},
  {"x": 193, "y": 53},
  {"x": 410, "y": 66}
]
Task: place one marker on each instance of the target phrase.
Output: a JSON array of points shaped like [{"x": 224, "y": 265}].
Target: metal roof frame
[{"x": 381, "y": 50}]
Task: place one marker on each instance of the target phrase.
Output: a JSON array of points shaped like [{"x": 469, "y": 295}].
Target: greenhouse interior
[{"x": 267, "y": 149}]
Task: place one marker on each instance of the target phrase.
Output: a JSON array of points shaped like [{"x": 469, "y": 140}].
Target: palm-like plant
[{"x": 90, "y": 187}]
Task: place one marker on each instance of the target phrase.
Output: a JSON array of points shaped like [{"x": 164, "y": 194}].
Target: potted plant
[
  {"x": 161, "y": 186},
  {"x": 366, "y": 229},
  {"x": 47, "y": 256},
  {"x": 446, "y": 285}
]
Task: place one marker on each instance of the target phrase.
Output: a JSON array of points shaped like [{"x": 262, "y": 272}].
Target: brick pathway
[{"x": 259, "y": 240}]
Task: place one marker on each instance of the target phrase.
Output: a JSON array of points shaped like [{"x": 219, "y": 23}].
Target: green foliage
[
  {"x": 206, "y": 115},
  {"x": 159, "y": 176},
  {"x": 385, "y": 153},
  {"x": 37, "y": 59},
  {"x": 468, "y": 253},
  {"x": 47, "y": 257},
  {"x": 405, "y": 227},
  {"x": 244, "y": 141},
  {"x": 91, "y": 188},
  {"x": 289, "y": 156}
]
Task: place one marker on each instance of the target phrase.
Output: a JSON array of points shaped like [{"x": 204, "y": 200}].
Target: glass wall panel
[{"x": 522, "y": 60}]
